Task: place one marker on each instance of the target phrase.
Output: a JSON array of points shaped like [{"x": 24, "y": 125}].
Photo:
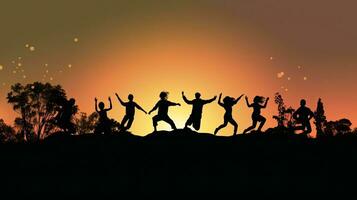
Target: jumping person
[
  {"x": 228, "y": 103},
  {"x": 197, "y": 107},
  {"x": 303, "y": 115},
  {"x": 256, "y": 116},
  {"x": 130, "y": 112},
  {"x": 104, "y": 124},
  {"x": 162, "y": 115}
]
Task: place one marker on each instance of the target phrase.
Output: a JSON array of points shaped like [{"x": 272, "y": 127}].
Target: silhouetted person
[
  {"x": 303, "y": 115},
  {"x": 129, "y": 112},
  {"x": 256, "y": 116},
  {"x": 104, "y": 124},
  {"x": 228, "y": 103},
  {"x": 65, "y": 114},
  {"x": 162, "y": 115},
  {"x": 197, "y": 106}
]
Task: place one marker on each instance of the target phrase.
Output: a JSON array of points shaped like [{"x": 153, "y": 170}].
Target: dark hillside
[{"x": 179, "y": 162}]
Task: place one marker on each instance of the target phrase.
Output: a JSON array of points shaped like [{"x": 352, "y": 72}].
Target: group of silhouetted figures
[{"x": 303, "y": 115}]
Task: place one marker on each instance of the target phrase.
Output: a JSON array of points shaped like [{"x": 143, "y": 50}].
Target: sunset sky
[{"x": 301, "y": 48}]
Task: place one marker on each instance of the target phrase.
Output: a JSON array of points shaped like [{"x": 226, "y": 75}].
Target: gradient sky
[{"x": 144, "y": 47}]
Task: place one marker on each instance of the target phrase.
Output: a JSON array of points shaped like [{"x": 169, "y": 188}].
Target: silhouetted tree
[
  {"x": 354, "y": 132},
  {"x": 320, "y": 118},
  {"x": 339, "y": 127},
  {"x": 285, "y": 115},
  {"x": 343, "y": 126},
  {"x": 7, "y": 133},
  {"x": 37, "y": 104},
  {"x": 24, "y": 130},
  {"x": 115, "y": 126},
  {"x": 86, "y": 123},
  {"x": 281, "y": 109}
]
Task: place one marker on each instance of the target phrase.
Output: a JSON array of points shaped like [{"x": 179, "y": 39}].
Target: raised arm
[
  {"x": 96, "y": 104},
  {"x": 210, "y": 100},
  {"x": 185, "y": 99},
  {"x": 110, "y": 104},
  {"x": 266, "y": 103},
  {"x": 236, "y": 101},
  {"x": 154, "y": 108},
  {"x": 219, "y": 100},
  {"x": 247, "y": 101},
  {"x": 121, "y": 102},
  {"x": 140, "y": 108}
]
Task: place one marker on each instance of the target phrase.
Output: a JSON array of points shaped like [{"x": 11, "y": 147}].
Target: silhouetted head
[
  {"x": 101, "y": 106},
  {"x": 164, "y": 95},
  {"x": 228, "y": 100},
  {"x": 197, "y": 95},
  {"x": 258, "y": 99},
  {"x": 71, "y": 101},
  {"x": 131, "y": 97},
  {"x": 303, "y": 102}
]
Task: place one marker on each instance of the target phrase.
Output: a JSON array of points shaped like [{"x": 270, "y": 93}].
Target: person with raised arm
[
  {"x": 104, "y": 125},
  {"x": 129, "y": 112},
  {"x": 256, "y": 116},
  {"x": 228, "y": 103},
  {"x": 197, "y": 107},
  {"x": 163, "y": 107}
]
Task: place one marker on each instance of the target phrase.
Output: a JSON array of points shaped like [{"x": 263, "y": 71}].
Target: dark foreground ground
[{"x": 172, "y": 164}]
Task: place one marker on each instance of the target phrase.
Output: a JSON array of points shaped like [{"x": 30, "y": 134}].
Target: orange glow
[{"x": 177, "y": 63}]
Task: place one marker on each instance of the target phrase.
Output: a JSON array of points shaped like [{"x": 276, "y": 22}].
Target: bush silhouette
[{"x": 38, "y": 105}]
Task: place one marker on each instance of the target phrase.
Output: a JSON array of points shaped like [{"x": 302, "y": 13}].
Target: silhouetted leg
[
  {"x": 262, "y": 122},
  {"x": 197, "y": 123},
  {"x": 130, "y": 122},
  {"x": 169, "y": 121},
  {"x": 189, "y": 121},
  {"x": 251, "y": 128},
  {"x": 234, "y": 123},
  {"x": 123, "y": 122},
  {"x": 220, "y": 127},
  {"x": 155, "y": 119}
]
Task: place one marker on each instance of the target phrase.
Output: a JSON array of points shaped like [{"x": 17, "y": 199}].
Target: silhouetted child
[
  {"x": 256, "y": 116},
  {"x": 197, "y": 107},
  {"x": 64, "y": 116},
  {"x": 303, "y": 115},
  {"x": 104, "y": 124},
  {"x": 228, "y": 103},
  {"x": 130, "y": 112},
  {"x": 162, "y": 115}
]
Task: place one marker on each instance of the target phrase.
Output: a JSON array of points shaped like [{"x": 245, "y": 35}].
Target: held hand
[
  {"x": 179, "y": 104},
  {"x": 150, "y": 112}
]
